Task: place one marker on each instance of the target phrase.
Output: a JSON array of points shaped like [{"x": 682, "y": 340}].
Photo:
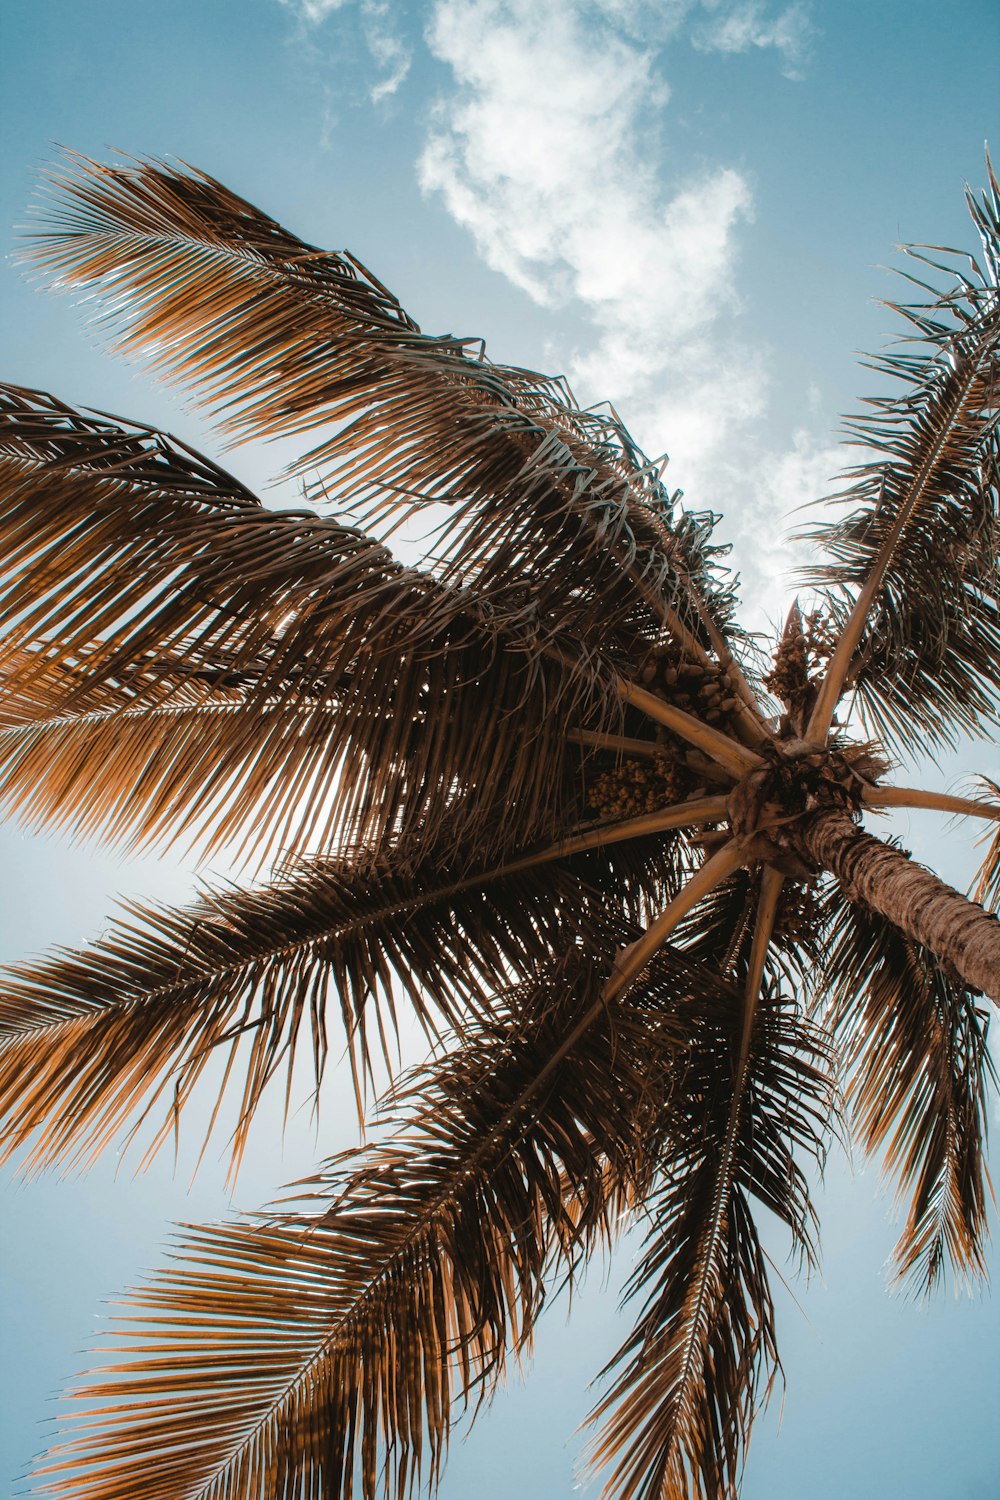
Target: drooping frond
[
  {"x": 688, "y": 1378},
  {"x": 912, "y": 578},
  {"x": 281, "y": 338},
  {"x": 137, "y": 571},
  {"x": 89, "y": 1039},
  {"x": 352, "y": 1326},
  {"x": 918, "y": 1080}
]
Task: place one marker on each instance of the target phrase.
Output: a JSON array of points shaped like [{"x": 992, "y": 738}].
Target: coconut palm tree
[{"x": 541, "y": 793}]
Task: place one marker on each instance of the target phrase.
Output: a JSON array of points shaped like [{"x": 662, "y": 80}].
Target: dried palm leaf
[
  {"x": 425, "y": 692},
  {"x": 918, "y": 1077},
  {"x": 93, "y": 1038},
  {"x": 688, "y": 1379},
  {"x": 911, "y": 581},
  {"x": 353, "y": 1326}
]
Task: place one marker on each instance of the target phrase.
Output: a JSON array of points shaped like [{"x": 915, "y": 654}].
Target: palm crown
[{"x": 540, "y": 791}]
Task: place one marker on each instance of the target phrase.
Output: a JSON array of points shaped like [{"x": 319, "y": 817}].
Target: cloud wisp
[
  {"x": 539, "y": 154},
  {"x": 389, "y": 52},
  {"x": 740, "y": 27}
]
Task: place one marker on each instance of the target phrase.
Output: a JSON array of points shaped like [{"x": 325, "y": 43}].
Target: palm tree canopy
[{"x": 540, "y": 792}]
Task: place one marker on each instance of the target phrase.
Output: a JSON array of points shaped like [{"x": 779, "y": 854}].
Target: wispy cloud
[
  {"x": 313, "y": 12},
  {"x": 737, "y": 28},
  {"x": 392, "y": 57}
]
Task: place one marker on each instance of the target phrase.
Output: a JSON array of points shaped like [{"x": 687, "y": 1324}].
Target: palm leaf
[
  {"x": 351, "y": 1326},
  {"x": 919, "y": 1076},
  {"x": 911, "y": 581},
  {"x": 282, "y": 338},
  {"x": 127, "y": 552},
  {"x": 215, "y": 767},
  {"x": 688, "y": 1378},
  {"x": 90, "y": 1038}
]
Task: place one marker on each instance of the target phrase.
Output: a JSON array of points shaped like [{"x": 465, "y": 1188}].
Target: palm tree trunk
[{"x": 958, "y": 931}]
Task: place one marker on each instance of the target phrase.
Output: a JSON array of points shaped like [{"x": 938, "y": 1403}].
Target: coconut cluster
[
  {"x": 700, "y": 688},
  {"x": 633, "y": 787},
  {"x": 803, "y": 651},
  {"x": 800, "y": 913}
]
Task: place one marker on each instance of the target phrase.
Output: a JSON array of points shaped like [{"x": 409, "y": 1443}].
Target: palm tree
[{"x": 540, "y": 792}]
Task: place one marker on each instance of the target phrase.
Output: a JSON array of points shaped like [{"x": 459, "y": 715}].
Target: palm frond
[
  {"x": 918, "y": 1081},
  {"x": 280, "y": 337},
  {"x": 125, "y": 552},
  {"x": 91, "y": 1039},
  {"x": 688, "y": 1378},
  {"x": 912, "y": 579},
  {"x": 353, "y": 1323},
  {"x": 210, "y": 768}
]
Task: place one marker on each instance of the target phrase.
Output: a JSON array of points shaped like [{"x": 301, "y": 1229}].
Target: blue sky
[{"x": 685, "y": 206}]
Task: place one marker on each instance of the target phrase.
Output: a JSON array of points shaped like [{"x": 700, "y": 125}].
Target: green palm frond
[
  {"x": 281, "y": 338},
  {"x": 911, "y": 577},
  {"x": 919, "y": 1078},
  {"x": 354, "y": 1324}
]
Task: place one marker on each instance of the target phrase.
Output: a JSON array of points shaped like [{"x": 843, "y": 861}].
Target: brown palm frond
[
  {"x": 911, "y": 583},
  {"x": 210, "y": 769},
  {"x": 205, "y": 760},
  {"x": 918, "y": 1078},
  {"x": 180, "y": 563},
  {"x": 688, "y": 1378},
  {"x": 353, "y": 1324},
  {"x": 718, "y": 936},
  {"x": 280, "y": 337},
  {"x": 93, "y": 1038}
]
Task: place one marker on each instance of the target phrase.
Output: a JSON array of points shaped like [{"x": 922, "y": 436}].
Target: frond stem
[
  {"x": 618, "y": 744},
  {"x": 736, "y": 758},
  {"x": 632, "y": 960},
  {"x": 909, "y": 796},
  {"x": 767, "y": 906}
]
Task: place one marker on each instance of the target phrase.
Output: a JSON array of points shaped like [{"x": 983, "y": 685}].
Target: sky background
[{"x": 686, "y": 208}]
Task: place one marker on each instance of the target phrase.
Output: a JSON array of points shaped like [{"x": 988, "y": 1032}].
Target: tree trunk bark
[{"x": 958, "y": 931}]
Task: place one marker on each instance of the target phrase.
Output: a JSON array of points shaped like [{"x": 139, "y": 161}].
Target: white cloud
[
  {"x": 544, "y": 151},
  {"x": 769, "y": 493},
  {"x": 313, "y": 12},
  {"x": 547, "y": 147},
  {"x": 737, "y": 28},
  {"x": 540, "y": 154}
]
